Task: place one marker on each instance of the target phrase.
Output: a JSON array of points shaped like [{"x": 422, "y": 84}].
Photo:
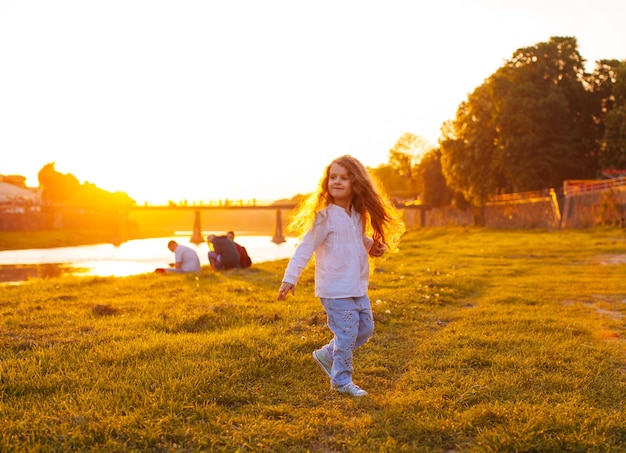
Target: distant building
[{"x": 13, "y": 191}]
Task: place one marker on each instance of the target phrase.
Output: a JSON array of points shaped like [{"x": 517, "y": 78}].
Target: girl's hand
[
  {"x": 284, "y": 290},
  {"x": 377, "y": 249}
]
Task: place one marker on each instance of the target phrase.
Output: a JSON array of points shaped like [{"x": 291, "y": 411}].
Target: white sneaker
[
  {"x": 322, "y": 361},
  {"x": 350, "y": 389}
]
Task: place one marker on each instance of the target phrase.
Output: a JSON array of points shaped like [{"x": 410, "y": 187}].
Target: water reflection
[
  {"x": 19, "y": 273},
  {"x": 130, "y": 258}
]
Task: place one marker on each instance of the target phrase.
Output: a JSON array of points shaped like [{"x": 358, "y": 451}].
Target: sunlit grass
[{"x": 485, "y": 341}]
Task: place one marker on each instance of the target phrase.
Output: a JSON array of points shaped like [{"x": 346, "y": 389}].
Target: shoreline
[{"x": 136, "y": 256}]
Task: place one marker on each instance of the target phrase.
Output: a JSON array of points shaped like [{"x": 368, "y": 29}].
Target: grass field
[{"x": 485, "y": 341}]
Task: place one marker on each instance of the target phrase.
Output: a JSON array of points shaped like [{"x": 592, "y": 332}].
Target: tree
[
  {"x": 56, "y": 188},
  {"x": 431, "y": 182},
  {"x": 404, "y": 157},
  {"x": 467, "y": 146},
  {"x": 544, "y": 116},
  {"x": 393, "y": 183},
  {"x": 532, "y": 124},
  {"x": 65, "y": 190},
  {"x": 613, "y": 154}
]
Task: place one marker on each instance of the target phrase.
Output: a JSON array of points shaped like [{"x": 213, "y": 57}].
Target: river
[{"x": 130, "y": 258}]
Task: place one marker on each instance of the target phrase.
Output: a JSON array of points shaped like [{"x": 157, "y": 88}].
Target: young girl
[{"x": 344, "y": 220}]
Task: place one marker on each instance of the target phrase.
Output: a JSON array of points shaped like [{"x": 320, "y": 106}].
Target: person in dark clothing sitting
[
  {"x": 244, "y": 258},
  {"x": 222, "y": 252}
]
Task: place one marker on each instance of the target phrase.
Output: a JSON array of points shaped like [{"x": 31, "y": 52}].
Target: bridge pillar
[
  {"x": 196, "y": 237},
  {"x": 278, "y": 229},
  {"x": 117, "y": 235}
]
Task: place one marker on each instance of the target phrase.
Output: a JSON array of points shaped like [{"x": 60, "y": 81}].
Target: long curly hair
[{"x": 381, "y": 220}]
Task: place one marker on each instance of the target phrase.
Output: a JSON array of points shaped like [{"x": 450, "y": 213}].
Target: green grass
[{"x": 485, "y": 341}]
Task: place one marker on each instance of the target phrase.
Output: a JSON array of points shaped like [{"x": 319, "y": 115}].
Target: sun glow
[{"x": 243, "y": 101}]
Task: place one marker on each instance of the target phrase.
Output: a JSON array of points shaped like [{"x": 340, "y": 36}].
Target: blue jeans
[
  {"x": 215, "y": 260},
  {"x": 352, "y": 324}
]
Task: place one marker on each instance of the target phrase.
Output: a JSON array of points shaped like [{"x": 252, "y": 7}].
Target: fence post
[{"x": 555, "y": 206}]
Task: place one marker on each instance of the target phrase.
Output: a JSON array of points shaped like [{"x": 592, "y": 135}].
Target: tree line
[
  {"x": 59, "y": 189},
  {"x": 537, "y": 121}
]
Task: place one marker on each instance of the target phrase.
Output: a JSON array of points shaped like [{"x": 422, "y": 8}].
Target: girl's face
[{"x": 340, "y": 185}]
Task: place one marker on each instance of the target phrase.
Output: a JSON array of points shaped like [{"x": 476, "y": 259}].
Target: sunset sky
[{"x": 201, "y": 100}]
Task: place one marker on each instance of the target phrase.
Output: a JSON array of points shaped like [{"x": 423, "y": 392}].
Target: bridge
[
  {"x": 63, "y": 216},
  {"x": 196, "y": 237},
  {"x": 213, "y": 207},
  {"x": 278, "y": 236}
]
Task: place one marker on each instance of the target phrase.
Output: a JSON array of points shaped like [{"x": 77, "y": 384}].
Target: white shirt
[
  {"x": 188, "y": 257},
  {"x": 341, "y": 261}
]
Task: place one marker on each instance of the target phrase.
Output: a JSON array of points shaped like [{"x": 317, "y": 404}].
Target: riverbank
[
  {"x": 20, "y": 240},
  {"x": 133, "y": 257},
  {"x": 485, "y": 341}
]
